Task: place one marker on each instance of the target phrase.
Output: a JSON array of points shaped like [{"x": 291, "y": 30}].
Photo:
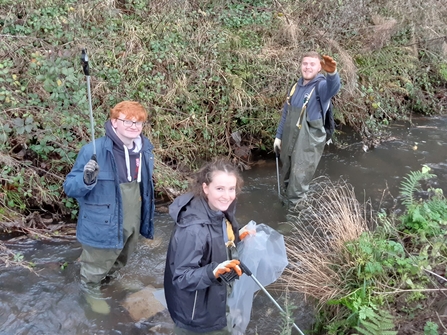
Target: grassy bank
[
  {"x": 213, "y": 75},
  {"x": 369, "y": 273}
]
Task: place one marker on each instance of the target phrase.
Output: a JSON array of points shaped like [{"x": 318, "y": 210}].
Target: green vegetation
[
  {"x": 213, "y": 75},
  {"x": 10, "y": 258},
  {"x": 372, "y": 282}
]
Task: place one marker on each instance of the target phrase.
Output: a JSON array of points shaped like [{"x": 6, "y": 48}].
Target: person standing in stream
[
  {"x": 202, "y": 249},
  {"x": 301, "y": 136},
  {"x": 115, "y": 193}
]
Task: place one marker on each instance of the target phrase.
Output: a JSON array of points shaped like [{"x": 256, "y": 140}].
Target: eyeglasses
[{"x": 129, "y": 123}]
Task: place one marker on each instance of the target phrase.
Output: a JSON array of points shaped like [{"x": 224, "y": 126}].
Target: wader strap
[
  {"x": 298, "y": 124},
  {"x": 292, "y": 90},
  {"x": 229, "y": 239},
  {"x": 229, "y": 234}
]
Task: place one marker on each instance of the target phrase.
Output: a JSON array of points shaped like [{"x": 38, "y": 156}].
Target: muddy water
[{"x": 49, "y": 301}]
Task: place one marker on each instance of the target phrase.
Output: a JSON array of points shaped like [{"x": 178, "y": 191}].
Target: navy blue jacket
[
  {"x": 100, "y": 218},
  {"x": 327, "y": 88}
]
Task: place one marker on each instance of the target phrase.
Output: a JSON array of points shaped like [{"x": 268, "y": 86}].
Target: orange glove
[
  {"x": 328, "y": 64},
  {"x": 227, "y": 266},
  {"x": 244, "y": 232}
]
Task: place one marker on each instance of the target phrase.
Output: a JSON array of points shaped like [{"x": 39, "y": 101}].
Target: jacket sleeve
[
  {"x": 74, "y": 185},
  {"x": 329, "y": 87},
  {"x": 280, "y": 129},
  {"x": 189, "y": 273}
]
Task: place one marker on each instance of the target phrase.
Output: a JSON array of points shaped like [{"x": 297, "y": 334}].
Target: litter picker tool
[
  {"x": 85, "y": 68},
  {"x": 250, "y": 274},
  {"x": 277, "y": 171}
]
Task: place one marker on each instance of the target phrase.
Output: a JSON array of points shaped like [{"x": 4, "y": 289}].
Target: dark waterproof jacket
[
  {"x": 100, "y": 219},
  {"x": 327, "y": 87},
  {"x": 196, "y": 299}
]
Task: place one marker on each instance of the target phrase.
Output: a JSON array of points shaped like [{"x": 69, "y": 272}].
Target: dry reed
[{"x": 318, "y": 261}]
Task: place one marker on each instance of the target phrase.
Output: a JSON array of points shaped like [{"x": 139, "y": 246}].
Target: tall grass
[
  {"x": 316, "y": 248},
  {"x": 369, "y": 271}
]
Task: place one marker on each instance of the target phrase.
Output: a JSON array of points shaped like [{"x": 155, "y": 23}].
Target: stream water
[{"x": 49, "y": 301}]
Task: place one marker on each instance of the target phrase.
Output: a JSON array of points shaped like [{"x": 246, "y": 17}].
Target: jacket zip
[{"x": 194, "y": 306}]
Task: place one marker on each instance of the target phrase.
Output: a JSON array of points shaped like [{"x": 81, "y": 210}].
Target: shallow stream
[{"x": 49, "y": 301}]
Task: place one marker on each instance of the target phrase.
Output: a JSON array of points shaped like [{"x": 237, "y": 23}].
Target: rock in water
[{"x": 145, "y": 303}]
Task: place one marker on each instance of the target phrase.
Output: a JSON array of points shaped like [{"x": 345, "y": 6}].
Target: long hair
[{"x": 206, "y": 174}]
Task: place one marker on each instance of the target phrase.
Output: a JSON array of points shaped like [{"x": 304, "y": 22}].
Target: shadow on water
[{"x": 50, "y": 301}]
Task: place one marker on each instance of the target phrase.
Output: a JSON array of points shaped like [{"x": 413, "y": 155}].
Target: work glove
[
  {"x": 227, "y": 266},
  {"x": 328, "y": 64},
  {"x": 91, "y": 170},
  {"x": 277, "y": 145},
  {"x": 244, "y": 232}
]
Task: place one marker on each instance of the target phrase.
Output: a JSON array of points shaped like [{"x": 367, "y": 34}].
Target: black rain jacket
[{"x": 196, "y": 299}]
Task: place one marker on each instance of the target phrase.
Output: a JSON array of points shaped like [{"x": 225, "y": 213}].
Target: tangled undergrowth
[{"x": 213, "y": 75}]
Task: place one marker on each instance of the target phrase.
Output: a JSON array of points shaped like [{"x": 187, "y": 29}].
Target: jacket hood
[
  {"x": 111, "y": 133},
  {"x": 128, "y": 159},
  {"x": 198, "y": 213}
]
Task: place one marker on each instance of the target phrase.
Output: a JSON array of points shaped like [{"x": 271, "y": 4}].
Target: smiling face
[
  {"x": 126, "y": 133},
  {"x": 128, "y": 111},
  {"x": 221, "y": 191},
  {"x": 310, "y": 67}
]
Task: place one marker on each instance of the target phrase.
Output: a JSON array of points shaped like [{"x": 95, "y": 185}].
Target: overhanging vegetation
[{"x": 213, "y": 74}]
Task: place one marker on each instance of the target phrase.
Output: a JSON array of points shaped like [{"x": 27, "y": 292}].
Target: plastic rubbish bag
[{"x": 264, "y": 254}]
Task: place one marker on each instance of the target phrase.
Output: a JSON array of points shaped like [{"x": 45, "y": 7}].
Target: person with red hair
[{"x": 115, "y": 192}]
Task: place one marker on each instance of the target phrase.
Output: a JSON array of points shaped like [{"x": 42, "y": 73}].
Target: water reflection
[
  {"x": 384, "y": 167},
  {"x": 50, "y": 301}
]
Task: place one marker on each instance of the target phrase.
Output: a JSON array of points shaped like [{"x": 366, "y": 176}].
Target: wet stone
[{"x": 145, "y": 303}]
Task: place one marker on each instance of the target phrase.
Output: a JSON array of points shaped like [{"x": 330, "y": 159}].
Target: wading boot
[{"x": 94, "y": 297}]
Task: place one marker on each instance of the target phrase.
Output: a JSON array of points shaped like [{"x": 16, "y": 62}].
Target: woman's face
[{"x": 221, "y": 191}]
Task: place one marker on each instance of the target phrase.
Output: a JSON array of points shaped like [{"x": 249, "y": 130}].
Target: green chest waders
[
  {"x": 97, "y": 263},
  {"x": 301, "y": 151},
  {"x": 130, "y": 193}
]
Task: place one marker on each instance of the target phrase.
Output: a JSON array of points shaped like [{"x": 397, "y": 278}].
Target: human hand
[
  {"x": 328, "y": 64},
  {"x": 91, "y": 170},
  {"x": 227, "y": 266},
  {"x": 244, "y": 231},
  {"x": 277, "y": 146}
]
